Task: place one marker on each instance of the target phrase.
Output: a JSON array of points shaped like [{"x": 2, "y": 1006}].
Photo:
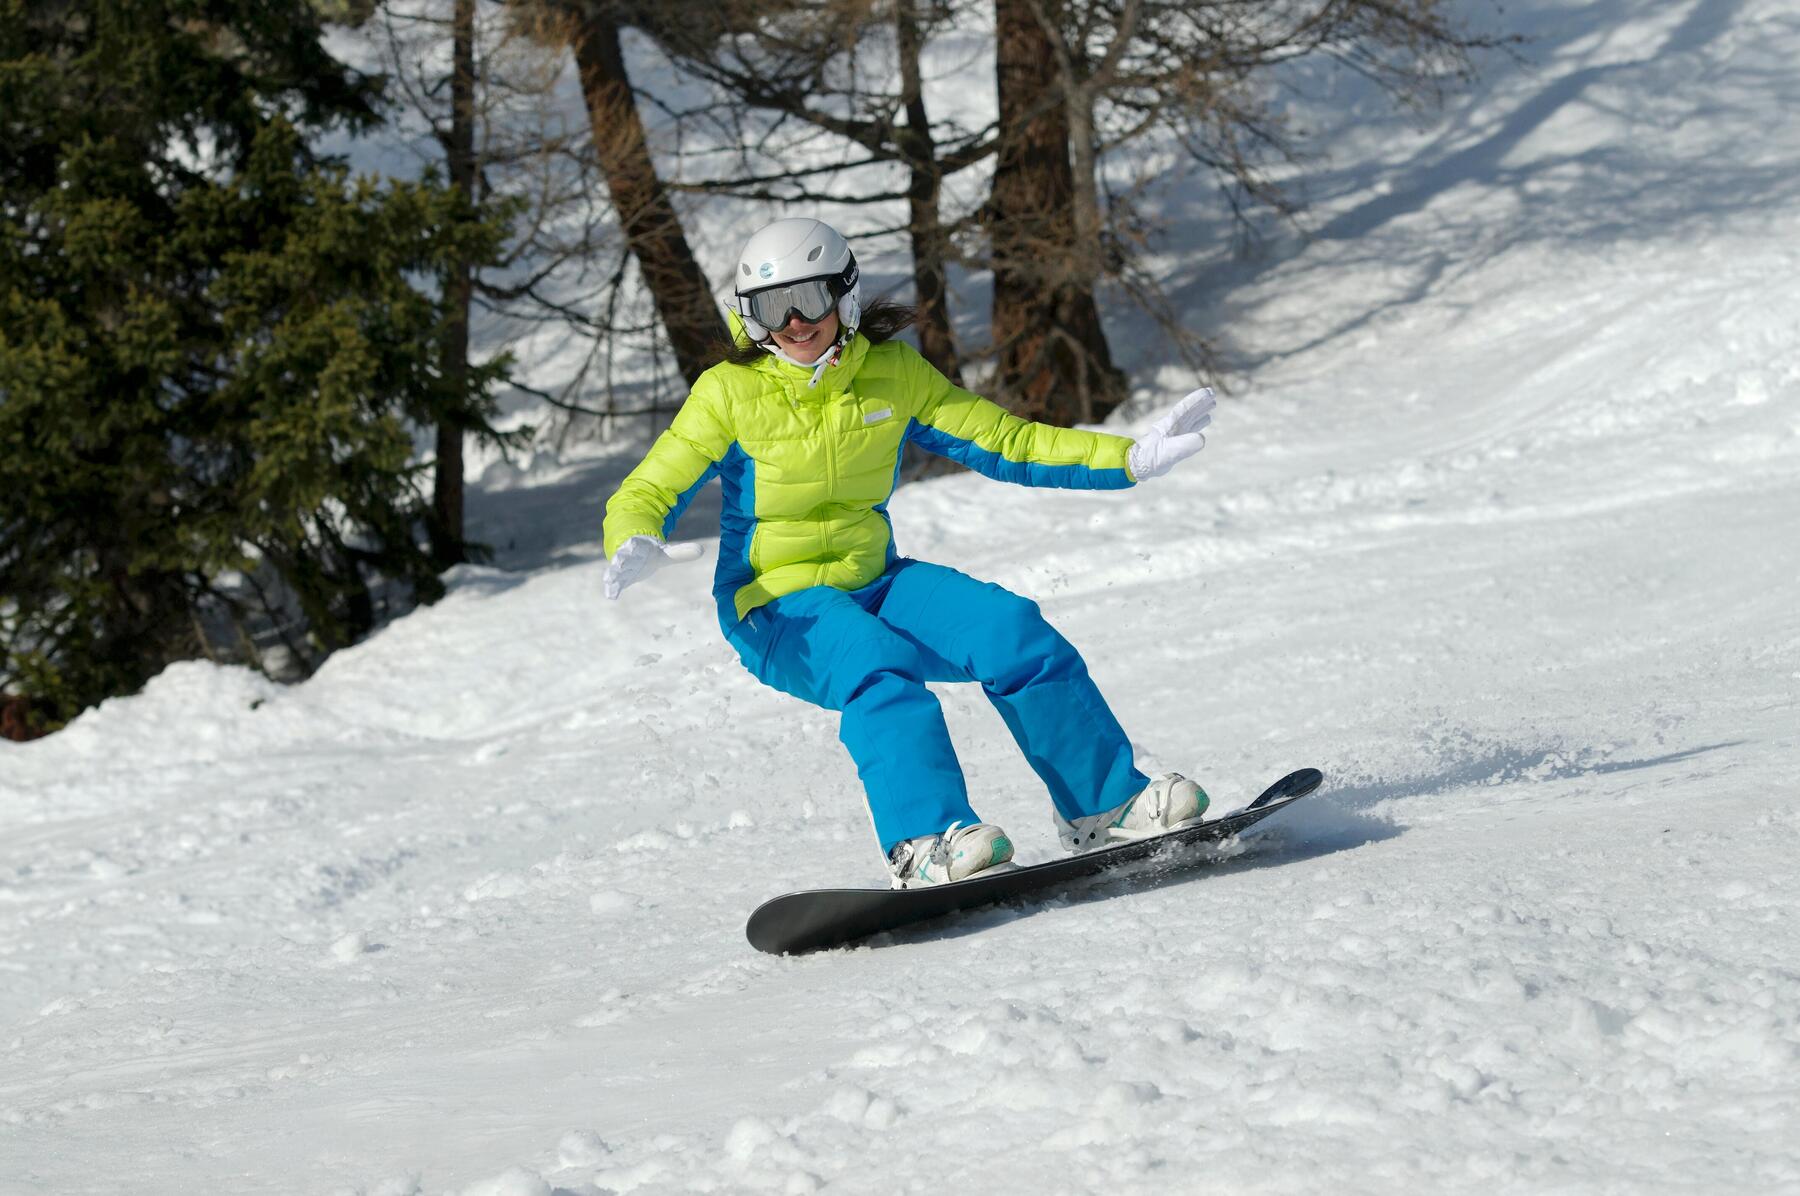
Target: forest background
[{"x": 268, "y": 271}]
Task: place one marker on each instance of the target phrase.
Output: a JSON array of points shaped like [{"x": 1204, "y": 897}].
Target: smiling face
[{"x": 807, "y": 342}]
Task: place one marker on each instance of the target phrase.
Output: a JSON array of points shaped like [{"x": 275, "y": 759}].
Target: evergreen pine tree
[{"x": 214, "y": 347}]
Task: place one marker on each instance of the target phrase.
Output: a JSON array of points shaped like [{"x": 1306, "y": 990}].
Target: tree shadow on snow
[
  {"x": 1519, "y": 139},
  {"x": 530, "y": 527}
]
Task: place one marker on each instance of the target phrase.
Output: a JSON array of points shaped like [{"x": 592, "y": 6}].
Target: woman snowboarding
[{"x": 803, "y": 423}]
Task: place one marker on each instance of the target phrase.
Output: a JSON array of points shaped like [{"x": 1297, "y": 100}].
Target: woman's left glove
[
  {"x": 639, "y": 555},
  {"x": 1173, "y": 438}
]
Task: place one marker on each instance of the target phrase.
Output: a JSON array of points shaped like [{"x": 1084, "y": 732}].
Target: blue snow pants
[{"x": 868, "y": 653}]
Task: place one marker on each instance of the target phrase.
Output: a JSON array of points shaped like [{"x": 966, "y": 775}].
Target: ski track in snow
[{"x": 1509, "y": 552}]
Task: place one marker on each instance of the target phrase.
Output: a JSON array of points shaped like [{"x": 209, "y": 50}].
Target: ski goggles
[{"x": 812, "y": 299}]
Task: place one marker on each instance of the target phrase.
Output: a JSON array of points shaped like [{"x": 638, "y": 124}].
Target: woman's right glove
[
  {"x": 640, "y": 555},
  {"x": 1173, "y": 438}
]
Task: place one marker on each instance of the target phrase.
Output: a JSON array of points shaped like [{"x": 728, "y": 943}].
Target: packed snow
[{"x": 1497, "y": 528}]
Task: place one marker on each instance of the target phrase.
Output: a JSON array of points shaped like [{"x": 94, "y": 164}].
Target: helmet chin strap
[{"x": 825, "y": 361}]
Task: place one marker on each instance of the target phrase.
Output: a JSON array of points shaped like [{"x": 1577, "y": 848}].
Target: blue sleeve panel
[
  {"x": 684, "y": 498},
  {"x": 1025, "y": 473}
]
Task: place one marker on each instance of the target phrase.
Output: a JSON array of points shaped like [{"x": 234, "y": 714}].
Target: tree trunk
[
  {"x": 22, "y": 719},
  {"x": 677, "y": 285},
  {"x": 446, "y": 525},
  {"x": 1054, "y": 363},
  {"x": 924, "y": 182}
]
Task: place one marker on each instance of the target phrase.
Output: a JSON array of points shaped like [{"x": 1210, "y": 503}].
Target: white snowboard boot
[
  {"x": 957, "y": 854},
  {"x": 1171, "y": 801}
]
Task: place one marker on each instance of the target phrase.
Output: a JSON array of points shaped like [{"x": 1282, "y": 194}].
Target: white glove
[
  {"x": 640, "y": 555},
  {"x": 1173, "y": 438}
]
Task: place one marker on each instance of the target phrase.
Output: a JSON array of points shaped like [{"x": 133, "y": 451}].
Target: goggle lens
[{"x": 811, "y": 299}]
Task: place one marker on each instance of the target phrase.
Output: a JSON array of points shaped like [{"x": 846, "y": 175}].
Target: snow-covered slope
[{"x": 1498, "y": 530}]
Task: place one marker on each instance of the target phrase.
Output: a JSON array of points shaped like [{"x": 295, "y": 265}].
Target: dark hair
[{"x": 881, "y": 320}]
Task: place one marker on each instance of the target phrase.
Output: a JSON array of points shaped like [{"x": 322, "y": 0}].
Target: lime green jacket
[{"x": 807, "y": 470}]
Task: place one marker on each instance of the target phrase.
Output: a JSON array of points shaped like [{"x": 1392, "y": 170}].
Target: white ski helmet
[{"x": 796, "y": 266}]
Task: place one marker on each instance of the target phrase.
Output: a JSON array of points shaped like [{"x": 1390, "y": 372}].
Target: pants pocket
[{"x": 753, "y": 638}]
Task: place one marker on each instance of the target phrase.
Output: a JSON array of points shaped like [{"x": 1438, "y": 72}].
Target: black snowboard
[{"x": 807, "y": 921}]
